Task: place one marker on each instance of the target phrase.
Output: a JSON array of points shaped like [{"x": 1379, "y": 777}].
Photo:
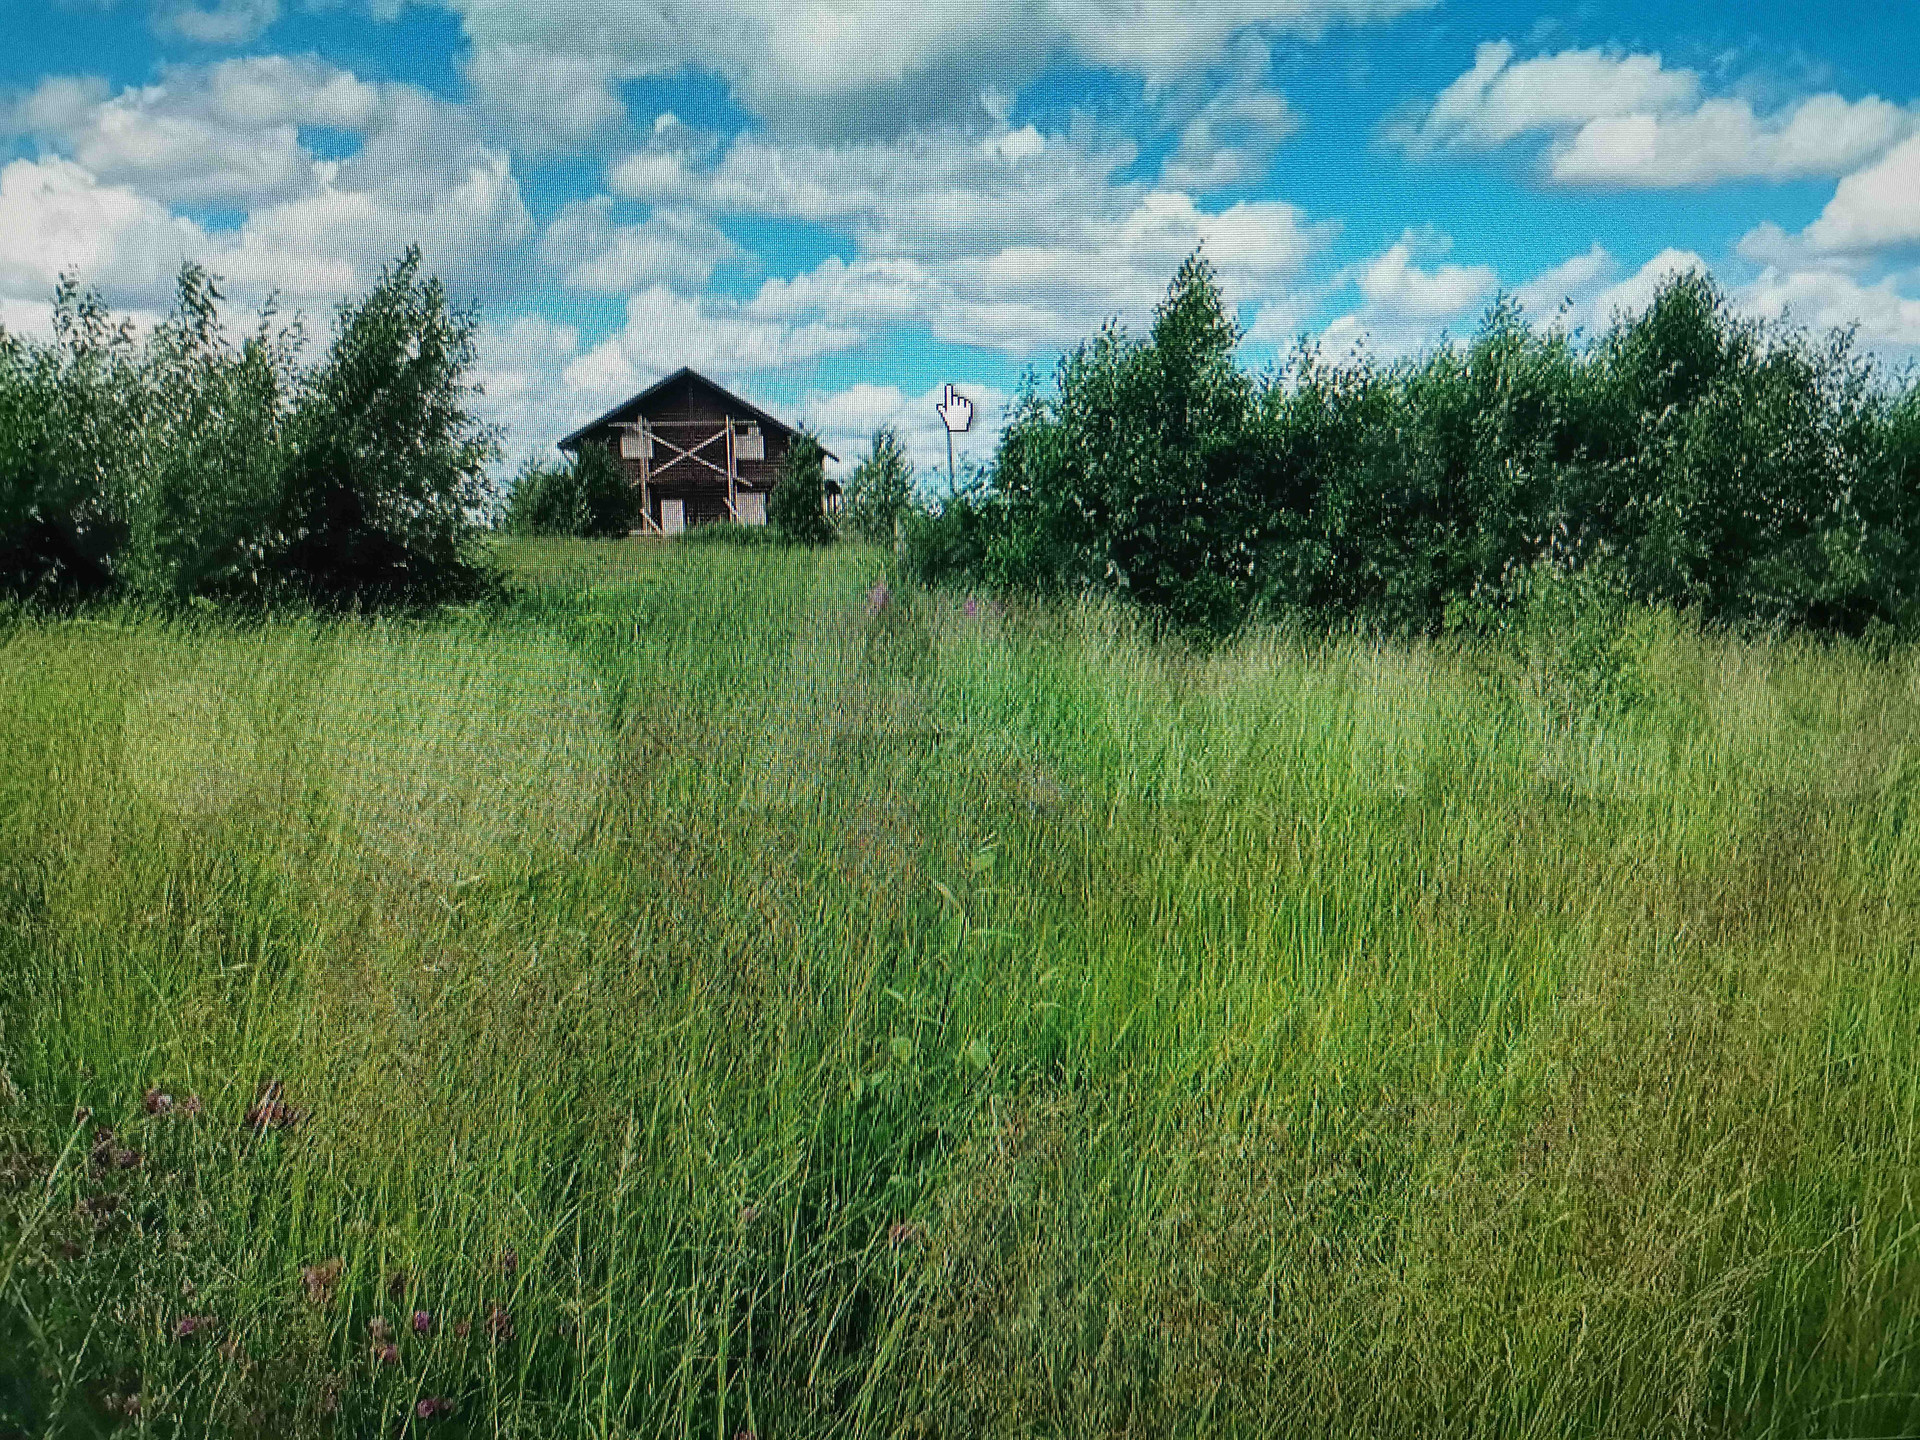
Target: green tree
[
  {"x": 388, "y": 488},
  {"x": 797, "y": 506},
  {"x": 65, "y": 408},
  {"x": 206, "y": 451},
  {"x": 880, "y": 492},
  {"x": 588, "y": 497}
]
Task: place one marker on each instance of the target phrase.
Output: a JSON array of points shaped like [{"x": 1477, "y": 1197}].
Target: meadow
[{"x": 732, "y": 991}]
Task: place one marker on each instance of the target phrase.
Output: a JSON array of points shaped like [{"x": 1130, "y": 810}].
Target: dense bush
[
  {"x": 589, "y": 497},
  {"x": 797, "y": 507},
  {"x": 189, "y": 466},
  {"x": 1741, "y": 472}
]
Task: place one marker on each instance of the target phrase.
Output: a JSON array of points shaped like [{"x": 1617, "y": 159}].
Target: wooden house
[{"x": 695, "y": 452}]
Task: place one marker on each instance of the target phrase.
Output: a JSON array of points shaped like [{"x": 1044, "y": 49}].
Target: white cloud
[
  {"x": 1497, "y": 101},
  {"x": 1587, "y": 292},
  {"x": 665, "y": 329},
  {"x": 1397, "y": 290},
  {"x": 833, "y": 68},
  {"x": 1873, "y": 208},
  {"x": 226, "y": 22},
  {"x": 471, "y": 225},
  {"x": 595, "y": 253},
  {"x": 846, "y": 419},
  {"x": 55, "y": 217},
  {"x": 924, "y": 193},
  {"x": 222, "y": 133},
  {"x": 1404, "y": 306},
  {"x": 31, "y": 318},
  {"x": 867, "y": 291},
  {"x": 1724, "y": 140},
  {"x": 1627, "y": 120},
  {"x": 521, "y": 373},
  {"x": 1578, "y": 278},
  {"x": 1280, "y": 322},
  {"x": 97, "y": 199},
  {"x": 1818, "y": 296},
  {"x": 1231, "y": 137},
  {"x": 1826, "y": 299},
  {"x": 1017, "y": 241},
  {"x": 550, "y": 101}
]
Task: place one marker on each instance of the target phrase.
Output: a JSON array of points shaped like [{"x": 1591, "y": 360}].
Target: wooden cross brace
[{"x": 682, "y": 453}]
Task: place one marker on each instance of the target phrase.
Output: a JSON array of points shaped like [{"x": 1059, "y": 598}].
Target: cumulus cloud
[
  {"x": 56, "y": 217},
  {"x": 227, "y": 22},
  {"x": 549, "y": 101},
  {"x": 1015, "y": 240},
  {"x": 846, "y": 420},
  {"x": 1588, "y": 291},
  {"x": 1577, "y": 278},
  {"x": 97, "y": 200},
  {"x": 833, "y": 69},
  {"x": 924, "y": 193},
  {"x": 1623, "y": 120},
  {"x": 225, "y": 133},
  {"x": 1874, "y": 208},
  {"x": 521, "y": 374},
  {"x": 665, "y": 329},
  {"x": 1825, "y": 299},
  {"x": 1404, "y": 305},
  {"x": 1238, "y": 125},
  {"x": 594, "y": 252},
  {"x": 1394, "y": 284}
]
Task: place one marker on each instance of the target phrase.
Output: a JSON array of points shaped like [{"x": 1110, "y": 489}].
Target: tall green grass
[{"x": 868, "y": 1015}]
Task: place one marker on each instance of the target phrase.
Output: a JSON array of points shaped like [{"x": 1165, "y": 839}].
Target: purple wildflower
[
  {"x": 499, "y": 1323},
  {"x": 877, "y": 598},
  {"x": 422, "y": 1322}
]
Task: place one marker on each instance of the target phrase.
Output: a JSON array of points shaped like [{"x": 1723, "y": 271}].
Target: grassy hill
[{"x": 716, "y": 996}]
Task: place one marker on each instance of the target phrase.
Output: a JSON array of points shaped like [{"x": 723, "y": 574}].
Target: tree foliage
[
  {"x": 797, "y": 507},
  {"x": 189, "y": 465},
  {"x": 880, "y": 491},
  {"x": 590, "y": 496},
  {"x": 1745, "y": 472}
]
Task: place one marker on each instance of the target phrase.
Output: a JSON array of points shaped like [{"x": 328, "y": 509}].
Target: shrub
[
  {"x": 190, "y": 466},
  {"x": 387, "y": 486},
  {"x": 63, "y": 413},
  {"x": 797, "y": 507},
  {"x": 205, "y": 451},
  {"x": 1130, "y": 475},
  {"x": 589, "y": 497},
  {"x": 1741, "y": 471}
]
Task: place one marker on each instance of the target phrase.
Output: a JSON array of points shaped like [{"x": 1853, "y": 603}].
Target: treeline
[
  {"x": 190, "y": 465},
  {"x": 1747, "y": 473}
]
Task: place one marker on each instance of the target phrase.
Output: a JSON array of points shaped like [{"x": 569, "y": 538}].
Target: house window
[{"x": 748, "y": 442}]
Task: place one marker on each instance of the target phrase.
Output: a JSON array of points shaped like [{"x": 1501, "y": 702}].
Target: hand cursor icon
[{"x": 956, "y": 410}]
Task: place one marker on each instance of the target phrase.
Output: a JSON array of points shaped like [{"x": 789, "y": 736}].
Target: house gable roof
[{"x": 629, "y": 408}]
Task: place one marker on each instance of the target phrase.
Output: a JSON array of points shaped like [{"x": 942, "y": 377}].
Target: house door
[{"x": 673, "y": 516}]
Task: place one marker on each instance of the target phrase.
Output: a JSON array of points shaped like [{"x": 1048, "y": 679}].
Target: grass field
[{"x": 708, "y": 1000}]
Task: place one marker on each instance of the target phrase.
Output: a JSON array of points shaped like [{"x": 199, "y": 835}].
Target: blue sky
[{"x": 837, "y": 207}]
